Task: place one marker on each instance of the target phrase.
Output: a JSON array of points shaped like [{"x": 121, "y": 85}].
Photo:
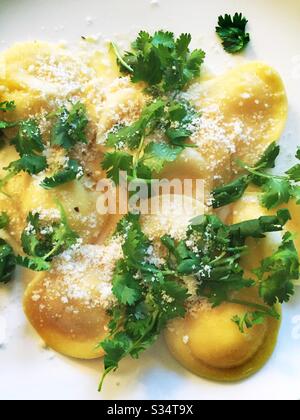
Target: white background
[{"x": 27, "y": 370}]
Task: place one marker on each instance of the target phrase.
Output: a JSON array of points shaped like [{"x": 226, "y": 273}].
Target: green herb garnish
[
  {"x": 276, "y": 189},
  {"x": 29, "y": 139},
  {"x": 277, "y": 273},
  {"x": 70, "y": 126},
  {"x": 7, "y": 262},
  {"x": 232, "y": 31},
  {"x": 42, "y": 241},
  {"x": 148, "y": 297},
  {"x": 7, "y": 106},
  {"x": 161, "y": 61},
  {"x": 28, "y": 143},
  {"x": 72, "y": 171},
  {"x": 139, "y": 159}
]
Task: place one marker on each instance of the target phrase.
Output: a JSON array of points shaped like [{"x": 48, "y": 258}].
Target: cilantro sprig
[
  {"x": 70, "y": 126},
  {"x": 140, "y": 158},
  {"x": 251, "y": 319},
  {"x": 68, "y": 130},
  {"x": 213, "y": 250},
  {"x": 276, "y": 189},
  {"x": 148, "y": 297},
  {"x": 7, "y": 257},
  {"x": 276, "y": 276},
  {"x": 28, "y": 143},
  {"x": 277, "y": 273},
  {"x": 70, "y": 172},
  {"x": 7, "y": 262},
  {"x": 161, "y": 61},
  {"x": 43, "y": 240},
  {"x": 232, "y": 31},
  {"x": 7, "y": 106}
]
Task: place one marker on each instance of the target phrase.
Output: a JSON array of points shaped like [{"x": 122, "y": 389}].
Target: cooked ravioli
[
  {"x": 209, "y": 344},
  {"x": 242, "y": 112},
  {"x": 171, "y": 215},
  {"x": 67, "y": 306},
  {"x": 207, "y": 341}
]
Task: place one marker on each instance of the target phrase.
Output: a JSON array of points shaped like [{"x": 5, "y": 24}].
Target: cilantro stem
[
  {"x": 52, "y": 252},
  {"x": 137, "y": 156},
  {"x": 255, "y": 172},
  {"x": 106, "y": 372},
  {"x": 137, "y": 179},
  {"x": 120, "y": 58},
  {"x": 268, "y": 311},
  {"x": 134, "y": 346},
  {"x": 169, "y": 273}
]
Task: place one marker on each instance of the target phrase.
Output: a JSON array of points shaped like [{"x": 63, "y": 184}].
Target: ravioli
[
  {"x": 210, "y": 345},
  {"x": 79, "y": 203},
  {"x": 207, "y": 341},
  {"x": 242, "y": 112},
  {"x": 67, "y": 306}
]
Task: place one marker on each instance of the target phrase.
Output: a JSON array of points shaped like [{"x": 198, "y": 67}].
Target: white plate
[{"x": 30, "y": 372}]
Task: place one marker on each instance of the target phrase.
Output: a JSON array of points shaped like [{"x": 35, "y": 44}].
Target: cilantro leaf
[
  {"x": 180, "y": 118},
  {"x": 294, "y": 173},
  {"x": 276, "y": 191},
  {"x": 278, "y": 271},
  {"x": 7, "y": 106},
  {"x": 33, "y": 263},
  {"x": 295, "y": 193},
  {"x": 7, "y": 262},
  {"x": 156, "y": 155},
  {"x": 231, "y": 192},
  {"x": 132, "y": 135},
  {"x": 161, "y": 61},
  {"x": 249, "y": 320},
  {"x": 70, "y": 127},
  {"x": 232, "y": 31},
  {"x": 29, "y": 138},
  {"x": 136, "y": 243},
  {"x": 125, "y": 288},
  {"x": 42, "y": 240},
  {"x": 72, "y": 171},
  {"x": 28, "y": 142},
  {"x": 32, "y": 164},
  {"x": 4, "y": 220},
  {"x": 115, "y": 162},
  {"x": 175, "y": 118}
]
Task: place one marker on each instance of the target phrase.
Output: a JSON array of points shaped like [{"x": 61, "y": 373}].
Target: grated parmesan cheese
[{"x": 81, "y": 278}]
